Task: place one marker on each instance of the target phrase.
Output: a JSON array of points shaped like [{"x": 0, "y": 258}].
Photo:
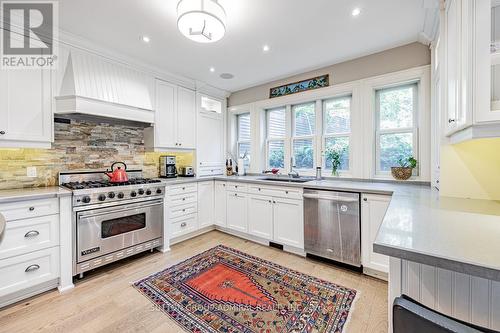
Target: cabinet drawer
[
  {"x": 21, "y": 272},
  {"x": 184, "y": 225},
  {"x": 29, "y": 235},
  {"x": 184, "y": 210},
  {"x": 278, "y": 192},
  {"x": 210, "y": 170},
  {"x": 28, "y": 209},
  {"x": 183, "y": 199},
  {"x": 182, "y": 189},
  {"x": 237, "y": 187}
]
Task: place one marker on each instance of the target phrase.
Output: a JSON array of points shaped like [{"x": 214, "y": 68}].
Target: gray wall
[{"x": 392, "y": 60}]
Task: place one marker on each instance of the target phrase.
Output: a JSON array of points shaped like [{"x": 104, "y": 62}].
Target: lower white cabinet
[
  {"x": 220, "y": 204},
  {"x": 205, "y": 204},
  {"x": 237, "y": 218},
  {"x": 373, "y": 209},
  {"x": 260, "y": 216},
  {"x": 288, "y": 217}
]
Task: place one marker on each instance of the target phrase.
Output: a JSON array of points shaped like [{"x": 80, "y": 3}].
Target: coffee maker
[{"x": 167, "y": 167}]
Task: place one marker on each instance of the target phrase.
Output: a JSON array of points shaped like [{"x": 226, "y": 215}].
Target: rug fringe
[{"x": 345, "y": 329}]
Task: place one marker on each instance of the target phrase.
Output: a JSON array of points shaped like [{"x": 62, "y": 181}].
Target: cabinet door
[
  {"x": 288, "y": 222},
  {"x": 237, "y": 211},
  {"x": 220, "y": 204},
  {"x": 25, "y": 106},
  {"x": 186, "y": 118},
  {"x": 166, "y": 115},
  {"x": 453, "y": 61},
  {"x": 260, "y": 216},
  {"x": 205, "y": 203},
  {"x": 373, "y": 208}
]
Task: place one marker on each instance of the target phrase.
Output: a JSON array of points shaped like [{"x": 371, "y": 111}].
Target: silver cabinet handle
[
  {"x": 184, "y": 210},
  {"x": 31, "y": 209},
  {"x": 32, "y": 268},
  {"x": 270, "y": 201},
  {"x": 365, "y": 199},
  {"x": 183, "y": 199},
  {"x": 183, "y": 224},
  {"x": 451, "y": 120},
  {"x": 286, "y": 192},
  {"x": 259, "y": 189},
  {"x": 32, "y": 233},
  {"x": 329, "y": 198},
  {"x": 183, "y": 188},
  {"x": 2, "y": 132}
]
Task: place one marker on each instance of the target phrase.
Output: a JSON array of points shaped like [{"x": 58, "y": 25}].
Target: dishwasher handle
[{"x": 330, "y": 198}]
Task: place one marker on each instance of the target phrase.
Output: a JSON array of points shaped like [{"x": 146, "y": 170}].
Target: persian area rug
[{"x": 225, "y": 290}]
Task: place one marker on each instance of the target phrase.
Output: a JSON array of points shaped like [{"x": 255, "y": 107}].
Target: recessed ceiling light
[
  {"x": 356, "y": 12},
  {"x": 146, "y": 39},
  {"x": 226, "y": 76},
  {"x": 212, "y": 69},
  {"x": 265, "y": 48}
]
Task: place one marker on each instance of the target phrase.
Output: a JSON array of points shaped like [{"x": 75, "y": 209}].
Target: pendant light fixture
[{"x": 203, "y": 21}]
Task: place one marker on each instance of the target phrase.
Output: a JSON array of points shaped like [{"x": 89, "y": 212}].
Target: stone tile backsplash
[{"x": 81, "y": 145}]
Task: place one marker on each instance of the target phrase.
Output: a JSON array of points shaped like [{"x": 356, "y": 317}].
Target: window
[
  {"x": 304, "y": 130},
  {"x": 337, "y": 129},
  {"x": 244, "y": 138},
  {"x": 276, "y": 133},
  {"x": 396, "y": 125}
]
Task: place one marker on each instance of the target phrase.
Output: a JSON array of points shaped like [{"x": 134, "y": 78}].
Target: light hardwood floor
[{"x": 105, "y": 301}]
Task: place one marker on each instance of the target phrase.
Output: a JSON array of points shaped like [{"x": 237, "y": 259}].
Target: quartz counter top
[
  {"x": 34, "y": 193},
  {"x": 462, "y": 235}
]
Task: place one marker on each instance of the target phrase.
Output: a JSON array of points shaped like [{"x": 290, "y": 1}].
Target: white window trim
[
  {"x": 312, "y": 138},
  {"x": 325, "y": 137},
  {"x": 275, "y": 139},
  {"x": 414, "y": 129},
  {"x": 238, "y": 141}
]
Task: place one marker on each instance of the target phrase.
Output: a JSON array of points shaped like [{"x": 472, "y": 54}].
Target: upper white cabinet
[
  {"x": 210, "y": 136},
  {"x": 25, "y": 108},
  {"x": 175, "y": 118},
  {"x": 472, "y": 69}
]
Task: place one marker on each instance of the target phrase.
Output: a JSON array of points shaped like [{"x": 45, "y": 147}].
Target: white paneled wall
[{"x": 465, "y": 297}]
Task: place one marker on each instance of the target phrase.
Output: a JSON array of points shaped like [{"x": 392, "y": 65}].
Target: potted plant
[
  {"x": 335, "y": 153},
  {"x": 405, "y": 168}
]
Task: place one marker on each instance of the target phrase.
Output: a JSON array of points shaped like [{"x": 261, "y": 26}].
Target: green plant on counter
[
  {"x": 335, "y": 154},
  {"x": 409, "y": 162}
]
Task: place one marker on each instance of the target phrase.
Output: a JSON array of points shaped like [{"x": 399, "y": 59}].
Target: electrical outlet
[{"x": 31, "y": 172}]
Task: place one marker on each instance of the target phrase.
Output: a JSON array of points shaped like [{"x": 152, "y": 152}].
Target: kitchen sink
[{"x": 287, "y": 179}]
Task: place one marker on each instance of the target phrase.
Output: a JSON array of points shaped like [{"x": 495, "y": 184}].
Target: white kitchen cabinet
[
  {"x": 210, "y": 136},
  {"x": 175, "y": 118},
  {"x": 220, "y": 204},
  {"x": 260, "y": 216},
  {"x": 288, "y": 226},
  {"x": 237, "y": 218},
  {"x": 26, "y": 108},
  {"x": 205, "y": 204},
  {"x": 373, "y": 209},
  {"x": 471, "y": 61}
]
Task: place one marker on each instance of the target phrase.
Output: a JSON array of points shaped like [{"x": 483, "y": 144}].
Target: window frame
[
  {"x": 238, "y": 141},
  {"x": 413, "y": 130},
  {"x": 275, "y": 139},
  {"x": 312, "y": 137},
  {"x": 325, "y": 136}
]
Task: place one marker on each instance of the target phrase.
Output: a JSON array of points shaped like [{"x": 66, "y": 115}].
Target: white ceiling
[{"x": 302, "y": 35}]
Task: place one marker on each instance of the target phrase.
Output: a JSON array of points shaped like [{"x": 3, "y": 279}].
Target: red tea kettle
[{"x": 117, "y": 175}]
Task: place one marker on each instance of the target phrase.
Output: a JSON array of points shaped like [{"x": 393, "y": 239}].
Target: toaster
[{"x": 186, "y": 171}]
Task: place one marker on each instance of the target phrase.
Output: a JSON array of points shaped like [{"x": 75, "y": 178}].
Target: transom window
[
  {"x": 276, "y": 135},
  {"x": 244, "y": 138},
  {"x": 396, "y": 128},
  {"x": 304, "y": 130},
  {"x": 337, "y": 129}
]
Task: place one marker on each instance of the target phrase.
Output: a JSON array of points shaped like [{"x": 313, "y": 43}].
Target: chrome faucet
[{"x": 292, "y": 173}]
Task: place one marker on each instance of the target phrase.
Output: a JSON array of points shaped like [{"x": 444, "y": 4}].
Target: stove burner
[{"x": 100, "y": 184}]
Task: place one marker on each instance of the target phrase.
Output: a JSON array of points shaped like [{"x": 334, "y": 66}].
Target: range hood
[{"x": 93, "y": 86}]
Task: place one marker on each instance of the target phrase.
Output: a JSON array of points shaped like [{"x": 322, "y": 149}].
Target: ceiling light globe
[{"x": 203, "y": 21}]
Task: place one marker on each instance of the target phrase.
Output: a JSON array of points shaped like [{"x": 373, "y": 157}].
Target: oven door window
[{"x": 122, "y": 225}]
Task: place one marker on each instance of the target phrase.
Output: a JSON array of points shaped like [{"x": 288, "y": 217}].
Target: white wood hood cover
[{"x": 95, "y": 86}]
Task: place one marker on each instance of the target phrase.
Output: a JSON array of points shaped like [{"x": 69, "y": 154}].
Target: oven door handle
[{"x": 86, "y": 216}]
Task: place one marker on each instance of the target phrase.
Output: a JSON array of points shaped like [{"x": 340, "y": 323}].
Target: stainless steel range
[{"x": 113, "y": 221}]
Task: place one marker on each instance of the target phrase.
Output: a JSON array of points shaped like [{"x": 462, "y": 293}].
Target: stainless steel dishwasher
[{"x": 332, "y": 226}]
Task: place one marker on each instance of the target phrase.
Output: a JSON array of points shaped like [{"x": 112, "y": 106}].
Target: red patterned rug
[{"x": 225, "y": 290}]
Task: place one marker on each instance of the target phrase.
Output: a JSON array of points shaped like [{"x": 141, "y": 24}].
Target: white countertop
[{"x": 33, "y": 193}]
